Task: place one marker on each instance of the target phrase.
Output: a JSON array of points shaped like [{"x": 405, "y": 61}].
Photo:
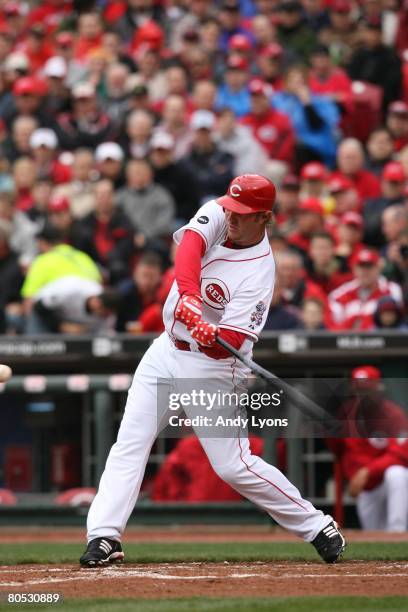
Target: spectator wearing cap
[
  {"x": 148, "y": 36},
  {"x": 314, "y": 118},
  {"x": 389, "y": 315},
  {"x": 392, "y": 188},
  {"x": 340, "y": 36},
  {"x": 36, "y": 46},
  {"x": 240, "y": 44},
  {"x": 50, "y": 13},
  {"x": 353, "y": 304},
  {"x": 293, "y": 32},
  {"x": 239, "y": 141},
  {"x": 230, "y": 20},
  {"x": 309, "y": 220},
  {"x": 65, "y": 47},
  {"x": 374, "y": 456},
  {"x": 380, "y": 149},
  {"x": 60, "y": 217},
  {"x": 233, "y": 92},
  {"x": 293, "y": 285},
  {"x": 149, "y": 207},
  {"x": 287, "y": 204},
  {"x": 213, "y": 168},
  {"x": 312, "y": 180},
  {"x": 80, "y": 189},
  {"x": 58, "y": 96},
  {"x": 322, "y": 266},
  {"x": 11, "y": 277},
  {"x": 135, "y": 15},
  {"x": 327, "y": 79},
  {"x": 270, "y": 65},
  {"x": 343, "y": 195},
  {"x": 397, "y": 123},
  {"x": 15, "y": 18},
  {"x": 27, "y": 99},
  {"x": 175, "y": 122},
  {"x": 376, "y": 63},
  {"x": 174, "y": 176},
  {"x": 350, "y": 164},
  {"x": 87, "y": 125},
  {"x": 316, "y": 14},
  {"x": 44, "y": 147},
  {"x": 349, "y": 235},
  {"x": 135, "y": 141},
  {"x": 90, "y": 31},
  {"x": 18, "y": 141},
  {"x": 107, "y": 233},
  {"x": 109, "y": 158},
  {"x": 139, "y": 99},
  {"x": 394, "y": 225},
  {"x": 271, "y": 128}
]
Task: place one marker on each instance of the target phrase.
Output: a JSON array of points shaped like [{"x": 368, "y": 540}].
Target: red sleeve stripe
[{"x": 239, "y": 329}]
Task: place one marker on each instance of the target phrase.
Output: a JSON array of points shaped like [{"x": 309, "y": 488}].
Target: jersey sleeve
[
  {"x": 208, "y": 222},
  {"x": 247, "y": 311}
]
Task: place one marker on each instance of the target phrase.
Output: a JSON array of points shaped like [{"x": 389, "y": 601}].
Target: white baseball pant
[{"x": 386, "y": 506}]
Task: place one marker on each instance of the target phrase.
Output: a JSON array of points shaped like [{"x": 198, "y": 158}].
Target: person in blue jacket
[{"x": 315, "y": 118}]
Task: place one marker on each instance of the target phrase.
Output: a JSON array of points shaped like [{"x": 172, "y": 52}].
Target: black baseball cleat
[
  {"x": 102, "y": 551},
  {"x": 330, "y": 543}
]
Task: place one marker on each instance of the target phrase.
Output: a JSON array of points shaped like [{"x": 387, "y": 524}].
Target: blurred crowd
[{"x": 118, "y": 119}]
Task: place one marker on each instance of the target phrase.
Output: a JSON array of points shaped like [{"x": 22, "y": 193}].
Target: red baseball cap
[
  {"x": 394, "y": 172},
  {"x": 313, "y": 171},
  {"x": 58, "y": 204},
  {"x": 291, "y": 181},
  {"x": 239, "y": 42},
  {"x": 367, "y": 257},
  {"x": 12, "y": 9},
  {"x": 27, "y": 86},
  {"x": 366, "y": 372},
  {"x": 64, "y": 39},
  {"x": 337, "y": 184},
  {"x": 340, "y": 6},
  {"x": 236, "y": 62},
  {"x": 273, "y": 50},
  {"x": 311, "y": 205},
  {"x": 352, "y": 218},
  {"x": 249, "y": 193},
  {"x": 259, "y": 87},
  {"x": 398, "y": 108}
]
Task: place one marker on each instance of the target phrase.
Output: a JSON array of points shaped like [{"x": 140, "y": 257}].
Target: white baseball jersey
[{"x": 236, "y": 284}]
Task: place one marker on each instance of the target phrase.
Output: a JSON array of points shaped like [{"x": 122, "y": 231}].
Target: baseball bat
[{"x": 305, "y": 405}]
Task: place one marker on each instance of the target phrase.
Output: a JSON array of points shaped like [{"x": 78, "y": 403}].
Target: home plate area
[{"x": 167, "y": 580}]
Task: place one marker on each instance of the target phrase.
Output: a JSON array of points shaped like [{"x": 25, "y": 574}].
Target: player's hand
[
  {"x": 205, "y": 333},
  {"x": 188, "y": 310},
  {"x": 359, "y": 481}
]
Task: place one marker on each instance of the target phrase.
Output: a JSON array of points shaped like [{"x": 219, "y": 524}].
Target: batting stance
[{"x": 224, "y": 283}]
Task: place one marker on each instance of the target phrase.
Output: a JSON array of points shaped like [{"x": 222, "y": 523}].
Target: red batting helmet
[
  {"x": 249, "y": 193},
  {"x": 366, "y": 373}
]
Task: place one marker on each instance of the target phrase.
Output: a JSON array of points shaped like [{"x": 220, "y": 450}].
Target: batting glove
[
  {"x": 205, "y": 333},
  {"x": 188, "y": 310}
]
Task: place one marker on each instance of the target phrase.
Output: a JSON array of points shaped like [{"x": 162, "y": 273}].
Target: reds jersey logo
[
  {"x": 215, "y": 293},
  {"x": 257, "y": 314}
]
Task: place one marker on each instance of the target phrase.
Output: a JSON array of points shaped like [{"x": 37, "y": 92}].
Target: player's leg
[
  {"x": 372, "y": 508},
  {"x": 396, "y": 486},
  {"x": 120, "y": 482}
]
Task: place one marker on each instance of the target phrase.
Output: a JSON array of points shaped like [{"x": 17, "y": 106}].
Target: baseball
[{"x": 5, "y": 373}]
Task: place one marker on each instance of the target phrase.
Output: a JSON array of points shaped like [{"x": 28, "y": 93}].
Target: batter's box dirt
[{"x": 168, "y": 580}]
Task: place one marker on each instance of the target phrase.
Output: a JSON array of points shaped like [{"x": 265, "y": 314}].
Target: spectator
[
  {"x": 174, "y": 177},
  {"x": 287, "y": 204},
  {"x": 343, "y": 194},
  {"x": 328, "y": 79},
  {"x": 392, "y": 184},
  {"x": 109, "y": 159},
  {"x": 117, "y": 94},
  {"x": 271, "y": 128},
  {"x": 175, "y": 122},
  {"x": 350, "y": 164},
  {"x": 72, "y": 305},
  {"x": 376, "y": 63},
  {"x": 389, "y": 315},
  {"x": 315, "y": 118},
  {"x": 140, "y": 297},
  {"x": 60, "y": 217},
  {"x": 135, "y": 15},
  {"x": 323, "y": 268},
  {"x": 80, "y": 189},
  {"x": 349, "y": 238},
  {"x": 24, "y": 177},
  {"x": 204, "y": 94},
  {"x": 18, "y": 142},
  {"x": 87, "y": 125},
  {"x": 294, "y": 287},
  {"x": 107, "y": 234},
  {"x": 340, "y": 36},
  {"x": 233, "y": 92},
  {"x": 90, "y": 31},
  {"x": 395, "y": 230},
  {"x": 270, "y": 65},
  {"x": 12, "y": 280},
  {"x": 139, "y": 127},
  {"x": 353, "y": 304},
  {"x": 212, "y": 167},
  {"x": 397, "y": 123},
  {"x": 309, "y": 221},
  {"x": 375, "y": 467},
  {"x": 312, "y": 183},
  {"x": 23, "y": 230},
  {"x": 149, "y": 207},
  {"x": 151, "y": 73},
  {"x": 238, "y": 141},
  {"x": 293, "y": 32},
  {"x": 230, "y": 20},
  {"x": 281, "y": 316},
  {"x": 43, "y": 145},
  {"x": 312, "y": 315},
  {"x": 380, "y": 150},
  {"x": 27, "y": 99},
  {"x": 76, "y": 71},
  {"x": 58, "y": 96}
]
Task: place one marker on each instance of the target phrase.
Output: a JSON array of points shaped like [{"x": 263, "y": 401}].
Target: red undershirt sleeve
[{"x": 188, "y": 263}]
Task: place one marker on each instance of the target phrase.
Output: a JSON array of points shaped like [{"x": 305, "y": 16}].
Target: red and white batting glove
[
  {"x": 188, "y": 310},
  {"x": 205, "y": 333}
]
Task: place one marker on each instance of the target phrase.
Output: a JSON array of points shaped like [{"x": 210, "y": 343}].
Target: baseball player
[{"x": 224, "y": 279}]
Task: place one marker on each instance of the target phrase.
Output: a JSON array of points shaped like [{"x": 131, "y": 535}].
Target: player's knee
[
  {"x": 395, "y": 473},
  {"x": 228, "y": 472}
]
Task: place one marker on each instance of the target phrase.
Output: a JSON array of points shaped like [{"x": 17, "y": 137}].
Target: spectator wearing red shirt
[
  {"x": 349, "y": 236},
  {"x": 343, "y": 194},
  {"x": 323, "y": 267},
  {"x": 107, "y": 234},
  {"x": 375, "y": 467},
  {"x": 397, "y": 123},
  {"x": 327, "y": 79},
  {"x": 380, "y": 149},
  {"x": 270, "y": 65},
  {"x": 312, "y": 180},
  {"x": 350, "y": 164},
  {"x": 271, "y": 128},
  {"x": 353, "y": 304},
  {"x": 90, "y": 32},
  {"x": 309, "y": 221},
  {"x": 287, "y": 204},
  {"x": 36, "y": 46},
  {"x": 294, "y": 287},
  {"x": 44, "y": 147},
  {"x": 50, "y": 13}
]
